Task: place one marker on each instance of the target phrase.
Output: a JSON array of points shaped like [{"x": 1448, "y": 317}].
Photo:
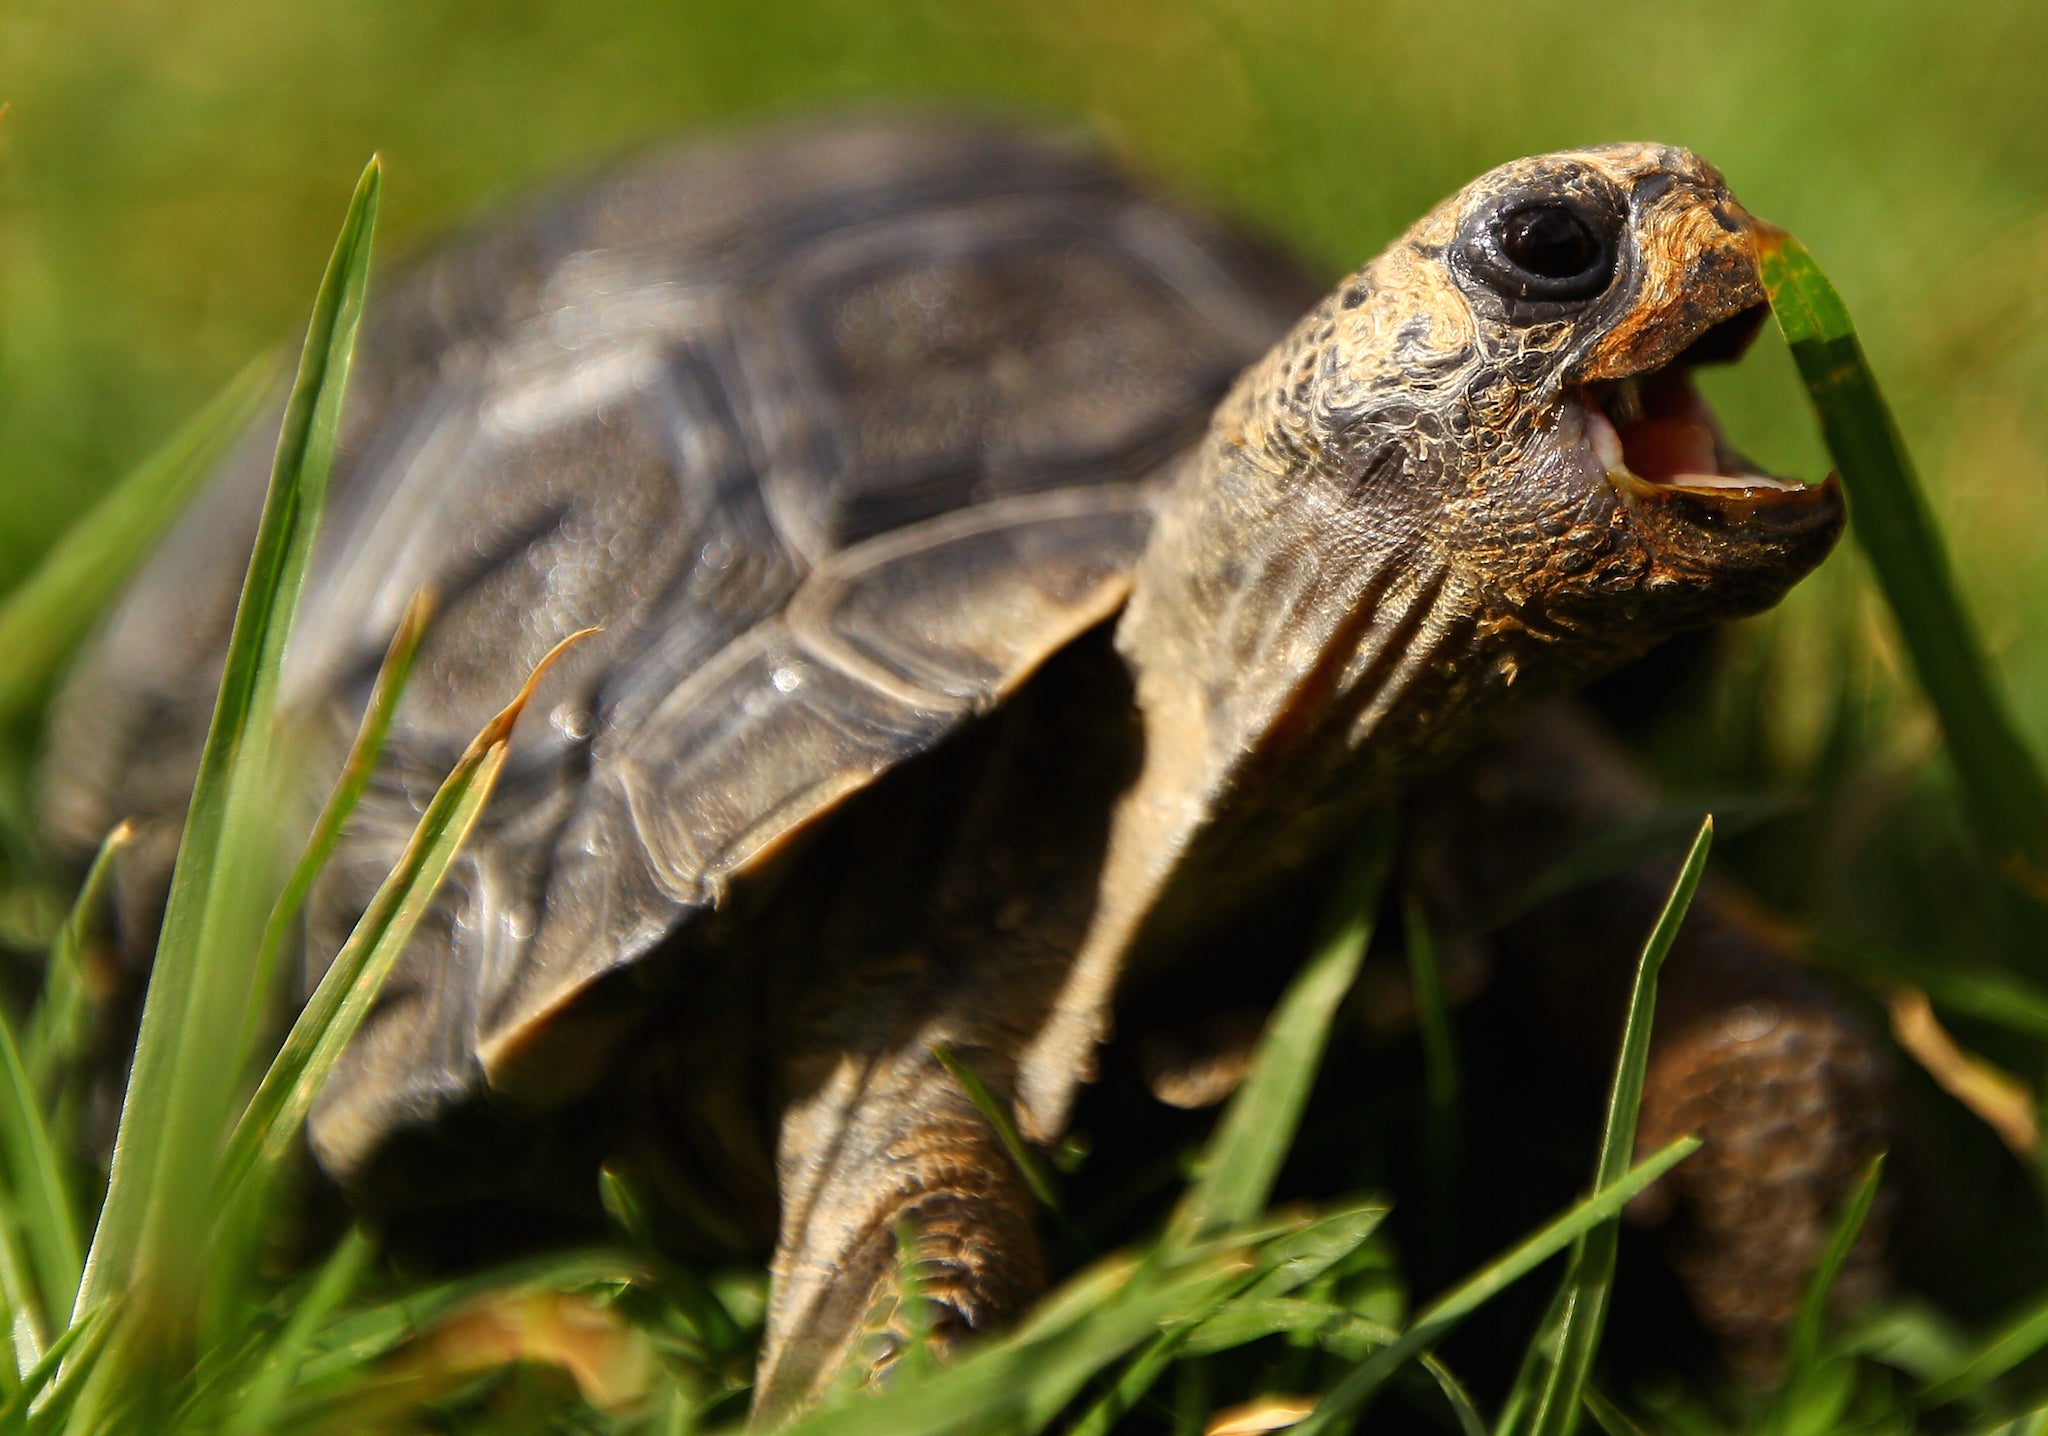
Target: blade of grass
[
  {"x": 366, "y": 1335},
  {"x": 1022, "y": 1383},
  {"x": 1343, "y": 1402},
  {"x": 1803, "y": 1345},
  {"x": 1560, "y": 1361},
  {"x": 1442, "y": 1123},
  {"x": 179, "y": 1086},
  {"x": 2020, "y": 1338},
  {"x": 266, "y": 1134},
  {"x": 38, "y": 1195},
  {"x": 356, "y": 771},
  {"x": 258, "y": 1404},
  {"x": 19, "y": 1301},
  {"x": 72, "y": 1340},
  {"x": 41, "y": 619},
  {"x": 61, "y": 1375},
  {"x": 680, "y": 1284},
  {"x": 1470, "y": 1423},
  {"x": 2001, "y": 780},
  {"x": 998, "y": 1116},
  {"x": 1336, "y": 1328},
  {"x": 1251, "y": 1141},
  {"x": 2030, "y": 1423},
  {"x": 1609, "y": 1417},
  {"x": 1298, "y": 1260},
  {"x": 56, "y": 1030},
  {"x": 1244, "y": 1155},
  {"x": 2004, "y": 999}
]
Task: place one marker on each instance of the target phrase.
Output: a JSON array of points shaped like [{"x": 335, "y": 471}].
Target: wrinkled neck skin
[{"x": 1315, "y": 619}]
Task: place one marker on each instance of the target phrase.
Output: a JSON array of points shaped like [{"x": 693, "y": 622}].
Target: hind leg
[
  {"x": 887, "y": 1150},
  {"x": 1784, "y": 1083}
]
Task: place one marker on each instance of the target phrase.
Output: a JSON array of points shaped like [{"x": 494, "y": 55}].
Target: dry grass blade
[
  {"x": 1256, "y": 1418},
  {"x": 2002, "y": 783},
  {"x": 2001, "y": 1100},
  {"x": 56, "y": 1031},
  {"x": 270, "y": 1124}
]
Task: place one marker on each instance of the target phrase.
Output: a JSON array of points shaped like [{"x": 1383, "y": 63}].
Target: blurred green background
[{"x": 173, "y": 173}]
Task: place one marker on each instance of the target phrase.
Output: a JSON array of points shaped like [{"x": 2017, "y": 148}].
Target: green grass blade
[
  {"x": 1022, "y": 1383},
  {"x": 1245, "y": 1153},
  {"x": 1025, "y": 1381},
  {"x": 1802, "y": 1352},
  {"x": 1297, "y": 1259},
  {"x": 67, "y": 1356},
  {"x": 61, "y": 1380},
  {"x": 1470, "y": 1423},
  {"x": 180, "y": 1085},
  {"x": 1244, "y": 1156},
  {"x": 1988, "y": 994},
  {"x": 1250, "y": 1319},
  {"x": 998, "y": 1117},
  {"x": 264, "y": 1396},
  {"x": 1442, "y": 1119},
  {"x": 356, "y": 771},
  {"x": 38, "y": 1194},
  {"x": 1562, "y": 1358},
  {"x": 19, "y": 1302},
  {"x": 57, "y": 1028},
  {"x": 268, "y": 1130},
  {"x": 2001, "y": 781},
  {"x": 271, "y": 1122},
  {"x": 1342, "y": 1403},
  {"x": 44, "y": 617},
  {"x": 2019, "y": 1339},
  {"x": 1609, "y": 1417},
  {"x": 1810, "y": 1397}
]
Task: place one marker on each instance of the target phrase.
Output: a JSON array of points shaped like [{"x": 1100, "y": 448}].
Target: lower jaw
[{"x": 1609, "y": 449}]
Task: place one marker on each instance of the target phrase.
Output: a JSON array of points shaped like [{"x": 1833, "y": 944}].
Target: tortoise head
[{"x": 1479, "y": 465}]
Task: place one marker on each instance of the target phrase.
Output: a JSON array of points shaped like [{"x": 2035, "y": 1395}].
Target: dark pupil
[{"x": 1549, "y": 241}]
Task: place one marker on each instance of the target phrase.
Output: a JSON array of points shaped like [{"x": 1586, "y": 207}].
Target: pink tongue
[{"x": 1662, "y": 449}]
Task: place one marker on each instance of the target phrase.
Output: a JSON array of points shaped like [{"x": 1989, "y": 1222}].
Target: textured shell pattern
[{"x": 835, "y": 434}]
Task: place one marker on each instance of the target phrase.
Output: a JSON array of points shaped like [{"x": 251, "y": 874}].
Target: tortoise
[{"x": 1007, "y": 577}]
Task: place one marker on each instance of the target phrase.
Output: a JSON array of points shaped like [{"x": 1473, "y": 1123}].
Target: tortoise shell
[{"x": 836, "y": 434}]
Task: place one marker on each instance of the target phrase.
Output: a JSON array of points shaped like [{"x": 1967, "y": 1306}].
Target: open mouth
[{"x": 1653, "y": 432}]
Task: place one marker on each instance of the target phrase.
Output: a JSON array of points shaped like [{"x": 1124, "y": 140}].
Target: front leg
[{"x": 881, "y": 1145}]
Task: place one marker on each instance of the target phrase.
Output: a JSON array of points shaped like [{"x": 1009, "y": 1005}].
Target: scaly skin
[{"x": 1396, "y": 535}]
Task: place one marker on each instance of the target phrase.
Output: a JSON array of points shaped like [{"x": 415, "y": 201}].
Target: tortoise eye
[
  {"x": 1546, "y": 249},
  {"x": 1551, "y": 242}
]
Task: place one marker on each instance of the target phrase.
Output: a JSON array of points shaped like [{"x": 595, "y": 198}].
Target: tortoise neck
[{"x": 1260, "y": 649}]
